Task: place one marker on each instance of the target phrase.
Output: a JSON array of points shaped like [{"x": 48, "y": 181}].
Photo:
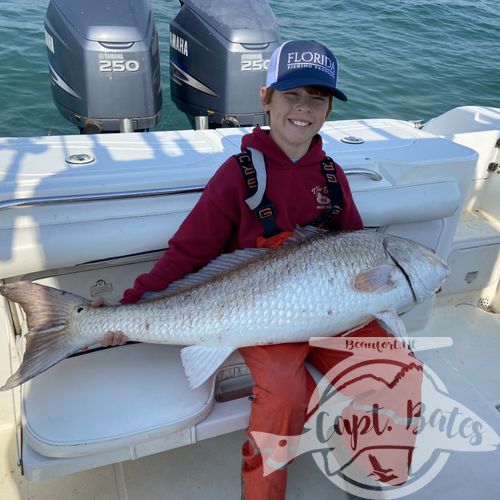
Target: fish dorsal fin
[
  {"x": 227, "y": 262},
  {"x": 305, "y": 233},
  {"x": 224, "y": 263}
]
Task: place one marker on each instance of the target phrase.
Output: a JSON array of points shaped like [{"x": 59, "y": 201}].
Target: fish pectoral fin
[
  {"x": 201, "y": 362},
  {"x": 394, "y": 323},
  {"x": 377, "y": 279}
]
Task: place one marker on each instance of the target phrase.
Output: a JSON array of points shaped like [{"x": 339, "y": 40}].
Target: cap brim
[{"x": 294, "y": 83}]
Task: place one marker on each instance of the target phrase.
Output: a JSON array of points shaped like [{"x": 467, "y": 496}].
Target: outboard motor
[
  {"x": 104, "y": 63},
  {"x": 219, "y": 54}
]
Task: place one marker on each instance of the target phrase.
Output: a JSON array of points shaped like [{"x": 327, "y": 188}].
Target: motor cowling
[
  {"x": 104, "y": 63},
  {"x": 219, "y": 54}
]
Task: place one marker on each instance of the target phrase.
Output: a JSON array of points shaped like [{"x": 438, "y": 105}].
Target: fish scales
[
  {"x": 264, "y": 301},
  {"x": 320, "y": 284}
]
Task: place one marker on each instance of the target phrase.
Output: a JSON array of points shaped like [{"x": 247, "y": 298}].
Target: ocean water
[{"x": 406, "y": 59}]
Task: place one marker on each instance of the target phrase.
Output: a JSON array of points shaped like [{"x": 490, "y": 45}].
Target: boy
[{"x": 303, "y": 187}]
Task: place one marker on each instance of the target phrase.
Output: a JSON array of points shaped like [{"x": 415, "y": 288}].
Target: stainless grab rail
[
  {"x": 145, "y": 193},
  {"x": 80, "y": 198},
  {"x": 363, "y": 171}
]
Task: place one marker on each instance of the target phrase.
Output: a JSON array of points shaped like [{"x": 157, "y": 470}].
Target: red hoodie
[{"x": 222, "y": 222}]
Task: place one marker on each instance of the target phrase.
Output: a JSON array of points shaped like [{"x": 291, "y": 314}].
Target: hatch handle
[{"x": 363, "y": 171}]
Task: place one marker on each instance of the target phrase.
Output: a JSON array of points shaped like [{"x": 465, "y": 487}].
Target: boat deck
[{"x": 210, "y": 468}]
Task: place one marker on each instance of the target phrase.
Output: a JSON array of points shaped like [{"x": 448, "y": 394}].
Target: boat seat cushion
[{"x": 111, "y": 398}]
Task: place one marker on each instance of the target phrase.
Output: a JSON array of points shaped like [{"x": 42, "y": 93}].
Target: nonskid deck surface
[{"x": 210, "y": 469}]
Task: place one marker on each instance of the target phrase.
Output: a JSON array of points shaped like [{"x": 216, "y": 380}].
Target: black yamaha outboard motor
[
  {"x": 219, "y": 53},
  {"x": 104, "y": 63}
]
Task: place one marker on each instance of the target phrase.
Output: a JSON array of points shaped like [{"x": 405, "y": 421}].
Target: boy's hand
[{"x": 110, "y": 338}]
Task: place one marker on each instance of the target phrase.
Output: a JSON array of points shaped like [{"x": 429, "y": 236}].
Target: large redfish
[{"x": 318, "y": 284}]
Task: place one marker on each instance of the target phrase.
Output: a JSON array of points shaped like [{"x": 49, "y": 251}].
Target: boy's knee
[{"x": 287, "y": 400}]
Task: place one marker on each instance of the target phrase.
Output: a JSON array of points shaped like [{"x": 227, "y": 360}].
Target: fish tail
[{"x": 47, "y": 340}]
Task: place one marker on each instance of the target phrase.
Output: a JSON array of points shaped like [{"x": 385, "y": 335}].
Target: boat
[{"x": 87, "y": 213}]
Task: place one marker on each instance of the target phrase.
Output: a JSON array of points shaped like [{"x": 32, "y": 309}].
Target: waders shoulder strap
[
  {"x": 253, "y": 168},
  {"x": 334, "y": 193}
]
